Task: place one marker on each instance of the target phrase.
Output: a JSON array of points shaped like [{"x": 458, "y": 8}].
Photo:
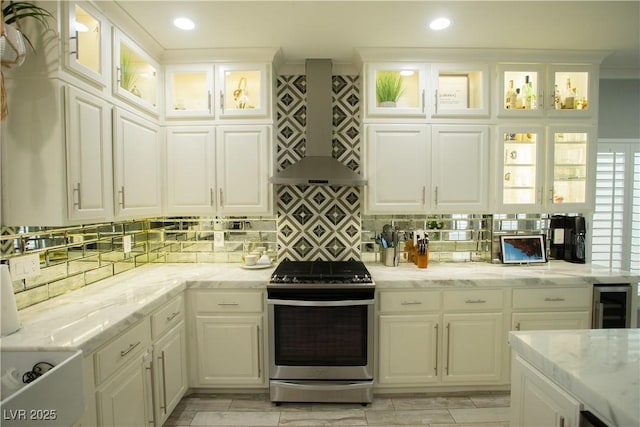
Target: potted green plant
[{"x": 388, "y": 88}]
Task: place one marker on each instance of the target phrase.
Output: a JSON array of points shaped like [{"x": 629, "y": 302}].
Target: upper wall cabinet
[
  {"x": 460, "y": 90},
  {"x": 135, "y": 73},
  {"x": 537, "y": 90},
  {"x": 189, "y": 91},
  {"x": 87, "y": 46},
  {"x": 396, "y": 90},
  {"x": 244, "y": 90}
]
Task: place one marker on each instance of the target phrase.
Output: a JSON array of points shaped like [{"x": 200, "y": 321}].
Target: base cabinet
[
  {"x": 170, "y": 372},
  {"x": 126, "y": 398},
  {"x": 536, "y": 401}
]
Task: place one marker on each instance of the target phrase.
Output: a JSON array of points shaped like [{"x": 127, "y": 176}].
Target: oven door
[{"x": 321, "y": 334}]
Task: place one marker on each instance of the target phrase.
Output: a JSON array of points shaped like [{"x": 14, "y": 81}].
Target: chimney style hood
[{"x": 318, "y": 166}]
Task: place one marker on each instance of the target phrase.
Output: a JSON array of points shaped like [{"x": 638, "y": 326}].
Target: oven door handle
[{"x": 341, "y": 303}]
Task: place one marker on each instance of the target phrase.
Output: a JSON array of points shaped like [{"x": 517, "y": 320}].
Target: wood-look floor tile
[
  {"x": 480, "y": 415},
  {"x": 345, "y": 417},
  {"x": 415, "y": 417},
  {"x": 491, "y": 400},
  {"x": 230, "y": 418},
  {"x": 446, "y": 402}
]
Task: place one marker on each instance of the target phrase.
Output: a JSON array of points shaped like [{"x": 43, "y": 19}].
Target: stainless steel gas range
[{"x": 321, "y": 317}]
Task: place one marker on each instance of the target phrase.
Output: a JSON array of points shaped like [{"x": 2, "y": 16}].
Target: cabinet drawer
[
  {"x": 125, "y": 347},
  {"x": 228, "y": 302},
  {"x": 167, "y": 316},
  {"x": 474, "y": 300},
  {"x": 552, "y": 298},
  {"x": 409, "y": 301}
]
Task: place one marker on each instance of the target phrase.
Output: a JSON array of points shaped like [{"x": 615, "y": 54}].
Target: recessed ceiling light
[
  {"x": 184, "y": 23},
  {"x": 439, "y": 24}
]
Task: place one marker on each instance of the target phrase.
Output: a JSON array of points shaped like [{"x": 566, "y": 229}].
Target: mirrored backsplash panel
[{"x": 73, "y": 257}]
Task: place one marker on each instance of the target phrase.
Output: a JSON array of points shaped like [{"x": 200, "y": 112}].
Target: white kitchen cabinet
[
  {"x": 558, "y": 91},
  {"x": 227, "y": 339},
  {"x": 136, "y": 76},
  {"x": 168, "y": 331},
  {"x": 89, "y": 162},
  {"x": 571, "y": 152},
  {"x": 137, "y": 165},
  {"x": 551, "y": 308},
  {"x": 125, "y": 399},
  {"x": 59, "y": 171},
  {"x": 520, "y": 172},
  {"x": 536, "y": 401},
  {"x": 189, "y": 90},
  {"x": 243, "y": 91},
  {"x": 243, "y": 167},
  {"x": 460, "y": 341},
  {"x": 87, "y": 42},
  {"x": 396, "y": 167},
  {"x": 460, "y": 90},
  {"x": 473, "y": 347},
  {"x": 408, "y": 349},
  {"x": 170, "y": 369},
  {"x": 396, "y": 90},
  {"x": 190, "y": 180},
  {"x": 460, "y": 168}
]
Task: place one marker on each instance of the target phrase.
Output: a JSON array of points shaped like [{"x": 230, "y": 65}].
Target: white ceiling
[{"x": 333, "y": 29}]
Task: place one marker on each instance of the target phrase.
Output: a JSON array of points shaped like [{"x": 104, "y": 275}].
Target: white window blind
[{"x": 616, "y": 219}]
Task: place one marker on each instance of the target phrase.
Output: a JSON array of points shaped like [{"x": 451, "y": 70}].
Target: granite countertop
[
  {"x": 600, "y": 367},
  {"x": 87, "y": 318}
]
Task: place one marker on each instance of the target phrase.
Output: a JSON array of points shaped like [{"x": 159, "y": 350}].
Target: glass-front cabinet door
[
  {"x": 571, "y": 156},
  {"x": 243, "y": 90},
  {"x": 520, "y": 89},
  {"x": 521, "y": 168},
  {"x": 136, "y": 73},
  {"x": 460, "y": 90},
  {"x": 570, "y": 91},
  {"x": 396, "y": 90},
  {"x": 189, "y": 90},
  {"x": 87, "y": 47}
]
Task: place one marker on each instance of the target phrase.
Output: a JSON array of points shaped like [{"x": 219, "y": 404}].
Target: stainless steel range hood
[{"x": 318, "y": 166}]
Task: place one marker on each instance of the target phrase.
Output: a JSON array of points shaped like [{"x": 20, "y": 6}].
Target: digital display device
[{"x": 523, "y": 249}]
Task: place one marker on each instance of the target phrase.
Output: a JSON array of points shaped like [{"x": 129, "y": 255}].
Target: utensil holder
[
  {"x": 389, "y": 257},
  {"x": 422, "y": 260}
]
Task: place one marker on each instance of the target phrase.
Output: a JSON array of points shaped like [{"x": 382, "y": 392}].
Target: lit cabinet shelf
[
  {"x": 460, "y": 90},
  {"x": 135, "y": 74},
  {"x": 189, "y": 91},
  {"x": 539, "y": 90},
  {"x": 244, "y": 91},
  {"x": 396, "y": 90},
  {"x": 521, "y": 168},
  {"x": 86, "y": 42}
]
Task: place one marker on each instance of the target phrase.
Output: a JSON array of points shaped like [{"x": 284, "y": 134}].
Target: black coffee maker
[{"x": 568, "y": 238}]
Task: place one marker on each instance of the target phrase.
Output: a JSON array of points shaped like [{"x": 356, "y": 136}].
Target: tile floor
[{"x": 474, "y": 410}]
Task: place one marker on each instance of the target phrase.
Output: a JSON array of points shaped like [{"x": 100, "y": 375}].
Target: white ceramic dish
[{"x": 256, "y": 266}]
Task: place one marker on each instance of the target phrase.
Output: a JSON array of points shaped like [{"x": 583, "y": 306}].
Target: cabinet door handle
[
  {"x": 122, "y": 197},
  {"x": 435, "y": 102},
  {"x": 436, "y": 195},
  {"x": 123, "y": 353},
  {"x": 79, "y": 202},
  {"x": 424, "y": 194},
  {"x": 209, "y": 101},
  {"x": 259, "y": 353},
  {"x": 551, "y": 194},
  {"x": 228, "y": 303},
  {"x": 423, "y": 101},
  {"x": 411, "y": 303},
  {"x": 557, "y": 299},
  {"x": 211, "y": 197},
  {"x": 172, "y": 316},
  {"x": 561, "y": 421},
  {"x": 446, "y": 366},
  {"x": 221, "y": 199},
  {"x": 118, "y": 76},
  {"x": 475, "y": 301},
  {"x": 541, "y": 100},
  {"x": 518, "y": 326},
  {"x": 222, "y": 102},
  {"x": 164, "y": 382},
  {"x": 435, "y": 368},
  {"x": 77, "y": 51}
]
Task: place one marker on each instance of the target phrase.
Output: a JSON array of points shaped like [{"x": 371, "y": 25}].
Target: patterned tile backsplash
[{"x": 311, "y": 222}]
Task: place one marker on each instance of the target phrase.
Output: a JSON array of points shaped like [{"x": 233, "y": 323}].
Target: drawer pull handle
[
  {"x": 554, "y": 299},
  {"x": 229, "y": 303},
  {"x": 475, "y": 301},
  {"x": 123, "y": 353},
  {"x": 172, "y": 316},
  {"x": 411, "y": 303}
]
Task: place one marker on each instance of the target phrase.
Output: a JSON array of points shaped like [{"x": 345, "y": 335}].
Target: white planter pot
[{"x": 12, "y": 47}]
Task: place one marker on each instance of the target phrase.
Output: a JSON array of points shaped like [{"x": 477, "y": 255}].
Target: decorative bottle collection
[{"x": 525, "y": 97}]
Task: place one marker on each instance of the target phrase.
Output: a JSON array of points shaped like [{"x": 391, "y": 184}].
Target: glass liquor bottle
[
  {"x": 557, "y": 104},
  {"x": 568, "y": 99},
  {"x": 511, "y": 97}
]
